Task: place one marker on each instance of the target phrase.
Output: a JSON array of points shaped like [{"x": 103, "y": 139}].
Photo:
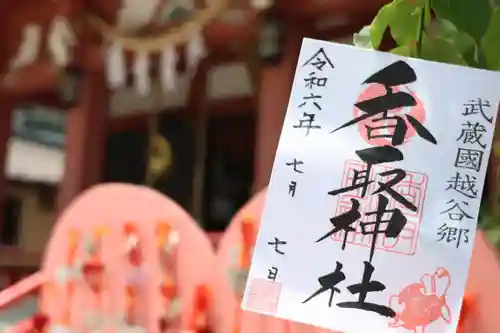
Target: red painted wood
[
  {"x": 275, "y": 85},
  {"x": 86, "y": 140}
]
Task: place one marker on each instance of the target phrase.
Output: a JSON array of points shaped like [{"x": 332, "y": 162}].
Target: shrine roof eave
[
  {"x": 220, "y": 38},
  {"x": 42, "y": 77}
]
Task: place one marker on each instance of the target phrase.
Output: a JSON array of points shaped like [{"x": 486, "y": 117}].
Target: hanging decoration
[
  {"x": 135, "y": 259},
  {"x": 93, "y": 270},
  {"x": 128, "y": 321},
  {"x": 145, "y": 45},
  {"x": 73, "y": 245},
  {"x": 134, "y": 277},
  {"x": 242, "y": 256},
  {"x": 116, "y": 66},
  {"x": 29, "y": 46},
  {"x": 60, "y": 42},
  {"x": 262, "y": 4},
  {"x": 168, "y": 62},
  {"x": 93, "y": 276},
  {"x": 67, "y": 277},
  {"x": 195, "y": 51},
  {"x": 70, "y": 271},
  {"x": 167, "y": 241},
  {"x": 133, "y": 245},
  {"x": 141, "y": 74},
  {"x": 199, "y": 320},
  {"x": 93, "y": 267}
]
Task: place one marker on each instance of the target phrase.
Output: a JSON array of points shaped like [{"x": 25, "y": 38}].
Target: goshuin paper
[{"x": 373, "y": 201}]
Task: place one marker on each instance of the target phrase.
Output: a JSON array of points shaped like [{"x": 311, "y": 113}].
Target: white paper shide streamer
[
  {"x": 116, "y": 67},
  {"x": 168, "y": 65},
  {"x": 60, "y": 41},
  {"x": 142, "y": 81},
  {"x": 195, "y": 50},
  {"x": 261, "y": 4},
  {"x": 29, "y": 47}
]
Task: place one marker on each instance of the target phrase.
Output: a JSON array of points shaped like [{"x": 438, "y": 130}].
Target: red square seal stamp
[{"x": 263, "y": 296}]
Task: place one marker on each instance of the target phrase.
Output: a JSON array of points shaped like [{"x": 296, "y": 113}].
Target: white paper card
[{"x": 426, "y": 159}]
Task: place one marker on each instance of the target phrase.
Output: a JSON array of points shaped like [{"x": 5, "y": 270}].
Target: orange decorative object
[
  {"x": 248, "y": 241},
  {"x": 168, "y": 289},
  {"x": 247, "y": 231},
  {"x": 73, "y": 245},
  {"x": 166, "y": 237},
  {"x": 103, "y": 251},
  {"x": 199, "y": 321},
  {"x": 163, "y": 230},
  {"x": 98, "y": 235},
  {"x": 166, "y": 242}
]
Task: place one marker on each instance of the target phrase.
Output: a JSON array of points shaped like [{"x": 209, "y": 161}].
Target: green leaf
[
  {"x": 496, "y": 148},
  {"x": 485, "y": 222},
  {"x": 463, "y": 42},
  {"x": 441, "y": 50},
  {"x": 380, "y": 24},
  {"x": 469, "y": 16},
  {"x": 446, "y": 30},
  {"x": 490, "y": 45},
  {"x": 402, "y": 18},
  {"x": 362, "y": 38},
  {"x": 493, "y": 236},
  {"x": 405, "y": 21}
]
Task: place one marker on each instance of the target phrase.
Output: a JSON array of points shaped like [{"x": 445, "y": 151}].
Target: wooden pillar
[
  {"x": 198, "y": 100},
  {"x": 86, "y": 139},
  {"x": 6, "y": 110},
  {"x": 7, "y": 104},
  {"x": 275, "y": 85}
]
